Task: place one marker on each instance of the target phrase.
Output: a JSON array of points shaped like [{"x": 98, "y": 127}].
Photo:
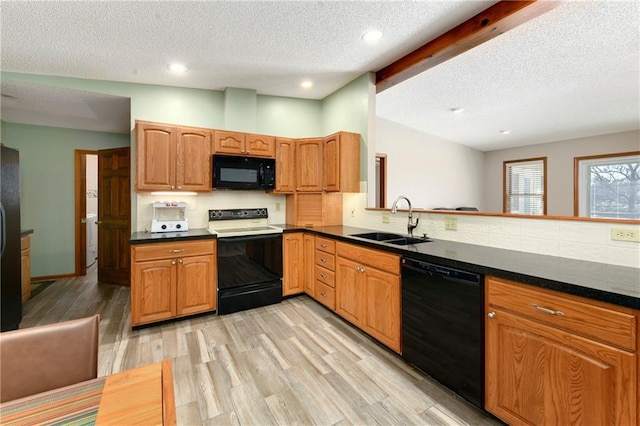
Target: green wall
[
  {"x": 47, "y": 188},
  {"x": 346, "y": 109}
]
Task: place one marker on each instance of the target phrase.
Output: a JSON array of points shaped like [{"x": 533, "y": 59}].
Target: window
[
  {"x": 607, "y": 186},
  {"x": 525, "y": 186}
]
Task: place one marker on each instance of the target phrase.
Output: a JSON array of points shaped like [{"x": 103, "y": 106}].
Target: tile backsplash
[
  {"x": 198, "y": 208},
  {"x": 589, "y": 241}
]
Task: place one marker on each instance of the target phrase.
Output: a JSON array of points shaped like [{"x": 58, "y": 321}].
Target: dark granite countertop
[
  {"x": 619, "y": 285},
  {"x": 163, "y": 237},
  {"x": 25, "y": 232},
  {"x": 599, "y": 281}
]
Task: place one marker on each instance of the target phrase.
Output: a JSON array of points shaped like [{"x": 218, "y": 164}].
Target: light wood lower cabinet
[
  {"x": 171, "y": 280},
  {"x": 309, "y": 242},
  {"x": 558, "y": 359},
  {"x": 367, "y": 291},
  {"x": 25, "y": 266},
  {"x": 293, "y": 263}
]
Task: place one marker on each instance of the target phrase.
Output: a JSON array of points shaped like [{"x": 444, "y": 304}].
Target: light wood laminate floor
[{"x": 291, "y": 363}]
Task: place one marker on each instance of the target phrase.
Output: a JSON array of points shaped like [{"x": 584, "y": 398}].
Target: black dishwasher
[{"x": 443, "y": 326}]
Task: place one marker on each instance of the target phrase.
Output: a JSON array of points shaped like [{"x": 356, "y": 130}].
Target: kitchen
[{"x": 338, "y": 107}]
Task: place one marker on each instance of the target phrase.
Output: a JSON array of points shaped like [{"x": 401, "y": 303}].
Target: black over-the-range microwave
[{"x": 241, "y": 172}]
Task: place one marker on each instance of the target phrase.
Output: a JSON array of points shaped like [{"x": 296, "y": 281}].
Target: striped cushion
[{"x": 71, "y": 405}]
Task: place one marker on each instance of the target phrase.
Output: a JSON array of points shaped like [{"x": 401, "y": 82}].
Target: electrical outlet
[
  {"x": 277, "y": 207},
  {"x": 385, "y": 218},
  {"x": 625, "y": 234},
  {"x": 451, "y": 223}
]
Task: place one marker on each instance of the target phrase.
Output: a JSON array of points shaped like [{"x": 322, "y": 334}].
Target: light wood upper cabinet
[
  {"x": 172, "y": 279},
  {"x": 285, "y": 166},
  {"x": 193, "y": 168},
  {"x": 341, "y": 162},
  {"x": 244, "y": 143},
  {"x": 559, "y": 359},
  {"x": 172, "y": 158},
  {"x": 309, "y": 165},
  {"x": 156, "y": 147},
  {"x": 293, "y": 263},
  {"x": 260, "y": 145},
  {"x": 367, "y": 288}
]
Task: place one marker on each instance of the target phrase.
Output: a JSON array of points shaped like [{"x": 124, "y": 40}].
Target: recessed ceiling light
[
  {"x": 176, "y": 67},
  {"x": 457, "y": 110},
  {"x": 505, "y": 132},
  {"x": 306, "y": 84},
  {"x": 371, "y": 36}
]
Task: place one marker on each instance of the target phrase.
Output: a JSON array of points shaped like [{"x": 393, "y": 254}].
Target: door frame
[{"x": 80, "y": 188}]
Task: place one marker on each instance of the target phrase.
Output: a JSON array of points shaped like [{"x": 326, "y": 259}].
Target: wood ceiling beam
[{"x": 491, "y": 22}]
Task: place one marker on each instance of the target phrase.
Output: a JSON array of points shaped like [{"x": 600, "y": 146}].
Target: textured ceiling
[{"x": 571, "y": 72}]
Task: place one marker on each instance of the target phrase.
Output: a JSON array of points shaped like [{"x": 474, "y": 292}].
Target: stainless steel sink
[
  {"x": 378, "y": 236},
  {"x": 386, "y": 237},
  {"x": 406, "y": 241}
]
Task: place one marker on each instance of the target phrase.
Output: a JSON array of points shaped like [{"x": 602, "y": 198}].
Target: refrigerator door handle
[{"x": 3, "y": 229}]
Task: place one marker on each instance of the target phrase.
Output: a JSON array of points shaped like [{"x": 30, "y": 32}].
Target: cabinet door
[
  {"x": 153, "y": 291},
  {"x": 228, "y": 142},
  {"x": 537, "y": 374},
  {"x": 382, "y": 306},
  {"x": 285, "y": 165},
  {"x": 155, "y": 157},
  {"x": 349, "y": 295},
  {"x": 260, "y": 145},
  {"x": 193, "y": 167},
  {"x": 293, "y": 262},
  {"x": 309, "y": 263},
  {"x": 309, "y": 165},
  {"x": 196, "y": 288},
  {"x": 330, "y": 164}
]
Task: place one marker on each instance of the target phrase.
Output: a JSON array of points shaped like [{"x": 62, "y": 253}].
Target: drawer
[
  {"x": 378, "y": 259},
  {"x": 588, "y": 318},
  {"x": 326, "y": 276},
  {"x": 325, "y": 295},
  {"x": 326, "y": 245},
  {"x": 168, "y": 250},
  {"x": 326, "y": 260},
  {"x": 25, "y": 243}
]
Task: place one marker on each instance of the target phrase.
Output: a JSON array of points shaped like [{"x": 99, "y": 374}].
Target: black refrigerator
[{"x": 11, "y": 279}]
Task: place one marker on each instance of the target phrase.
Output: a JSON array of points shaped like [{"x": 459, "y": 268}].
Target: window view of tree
[{"x": 610, "y": 187}]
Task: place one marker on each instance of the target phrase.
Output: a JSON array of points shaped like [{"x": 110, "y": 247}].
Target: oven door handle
[{"x": 243, "y": 238}]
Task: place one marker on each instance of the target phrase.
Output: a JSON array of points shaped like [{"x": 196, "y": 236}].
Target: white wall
[
  {"x": 432, "y": 172},
  {"x": 560, "y": 156},
  {"x": 573, "y": 239}
]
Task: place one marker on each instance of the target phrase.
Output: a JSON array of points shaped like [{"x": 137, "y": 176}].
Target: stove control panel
[{"x": 227, "y": 214}]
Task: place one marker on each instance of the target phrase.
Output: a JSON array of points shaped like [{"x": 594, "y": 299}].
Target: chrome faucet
[{"x": 410, "y": 226}]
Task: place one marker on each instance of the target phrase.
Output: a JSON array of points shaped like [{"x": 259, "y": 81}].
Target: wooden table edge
[{"x": 168, "y": 397}]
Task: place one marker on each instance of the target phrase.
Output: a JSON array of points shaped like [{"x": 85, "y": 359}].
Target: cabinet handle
[
  {"x": 323, "y": 245},
  {"x": 322, "y": 259},
  {"x": 176, "y": 251},
  {"x": 491, "y": 314},
  {"x": 180, "y": 260},
  {"x": 179, "y": 187},
  {"x": 323, "y": 276},
  {"x": 323, "y": 294},
  {"x": 173, "y": 262},
  {"x": 547, "y": 310}
]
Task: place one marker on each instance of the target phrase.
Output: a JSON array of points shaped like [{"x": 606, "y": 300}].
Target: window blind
[{"x": 525, "y": 184}]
